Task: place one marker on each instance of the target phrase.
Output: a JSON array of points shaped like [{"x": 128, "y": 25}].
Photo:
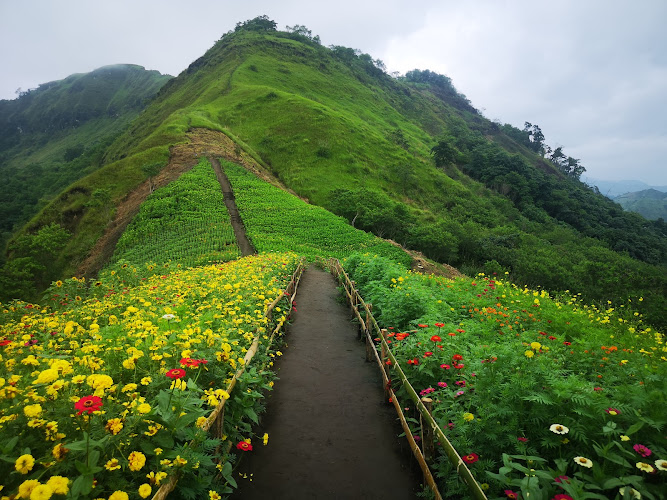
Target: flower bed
[
  {"x": 106, "y": 400},
  {"x": 540, "y": 396}
]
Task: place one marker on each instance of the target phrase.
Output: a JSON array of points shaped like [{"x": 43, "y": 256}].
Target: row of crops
[
  {"x": 185, "y": 222},
  {"x": 107, "y": 400},
  {"x": 543, "y": 398},
  {"x": 278, "y": 221}
]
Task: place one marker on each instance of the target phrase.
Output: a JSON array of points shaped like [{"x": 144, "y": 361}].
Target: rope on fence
[
  {"x": 217, "y": 415},
  {"x": 369, "y": 324}
]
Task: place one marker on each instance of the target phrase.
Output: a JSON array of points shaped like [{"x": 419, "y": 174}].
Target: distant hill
[
  {"x": 650, "y": 203},
  {"x": 55, "y": 134},
  {"x": 612, "y": 189}
]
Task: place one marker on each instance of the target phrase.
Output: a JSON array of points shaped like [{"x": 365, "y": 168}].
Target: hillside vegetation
[
  {"x": 331, "y": 125},
  {"x": 650, "y": 203},
  {"x": 57, "y": 133}
]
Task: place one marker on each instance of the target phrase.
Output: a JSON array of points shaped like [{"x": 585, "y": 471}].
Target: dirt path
[
  {"x": 237, "y": 224},
  {"x": 331, "y": 435}
]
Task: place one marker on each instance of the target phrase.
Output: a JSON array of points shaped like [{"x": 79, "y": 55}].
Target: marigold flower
[
  {"x": 145, "y": 490},
  {"x": 114, "y": 426},
  {"x": 41, "y": 492},
  {"x": 144, "y": 408},
  {"x": 265, "y": 438},
  {"x": 559, "y": 429},
  {"x": 137, "y": 460},
  {"x": 244, "y": 446},
  {"x": 583, "y": 461},
  {"x": 112, "y": 464},
  {"x": 642, "y": 450},
  {"x": 213, "y": 495},
  {"x": 529, "y": 354},
  {"x": 32, "y": 411},
  {"x": 24, "y": 463},
  {"x": 176, "y": 373},
  {"x": 468, "y": 417},
  {"x": 535, "y": 345},
  {"x": 59, "y": 451},
  {"x": 470, "y": 458},
  {"x": 146, "y": 380},
  {"x": 88, "y": 404},
  {"x": 26, "y": 488},
  {"x": 46, "y": 377},
  {"x": 59, "y": 485},
  {"x": 119, "y": 495}
]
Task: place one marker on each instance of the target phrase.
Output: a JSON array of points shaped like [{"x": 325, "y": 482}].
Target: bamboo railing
[
  {"x": 216, "y": 417},
  {"x": 430, "y": 428}
]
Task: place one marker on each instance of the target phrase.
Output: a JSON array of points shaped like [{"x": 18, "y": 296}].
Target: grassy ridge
[{"x": 277, "y": 221}]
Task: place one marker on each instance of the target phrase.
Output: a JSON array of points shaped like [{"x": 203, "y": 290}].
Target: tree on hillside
[
  {"x": 534, "y": 138},
  {"x": 301, "y": 31},
  {"x": 260, "y": 23}
]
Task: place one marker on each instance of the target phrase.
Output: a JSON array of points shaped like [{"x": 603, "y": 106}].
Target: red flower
[
  {"x": 567, "y": 343},
  {"x": 562, "y": 479},
  {"x": 445, "y": 367},
  {"x": 439, "y": 325},
  {"x": 522, "y": 439},
  {"x": 5, "y": 342},
  {"x": 613, "y": 411},
  {"x": 413, "y": 361},
  {"x": 459, "y": 366},
  {"x": 188, "y": 362},
  {"x": 470, "y": 458},
  {"x": 176, "y": 373},
  {"x": 460, "y": 330},
  {"x": 562, "y": 496},
  {"x": 436, "y": 338},
  {"x": 428, "y": 354},
  {"x": 457, "y": 357},
  {"x": 422, "y": 326},
  {"x": 88, "y": 404},
  {"x": 511, "y": 494},
  {"x": 642, "y": 450},
  {"x": 244, "y": 446}
]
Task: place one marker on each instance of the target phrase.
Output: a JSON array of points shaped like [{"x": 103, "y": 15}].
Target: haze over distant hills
[{"x": 612, "y": 189}]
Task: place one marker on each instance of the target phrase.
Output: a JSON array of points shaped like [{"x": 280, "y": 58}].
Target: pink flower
[
  {"x": 522, "y": 439},
  {"x": 562, "y": 496},
  {"x": 562, "y": 479},
  {"x": 442, "y": 384},
  {"x": 512, "y": 495},
  {"x": 445, "y": 367},
  {"x": 460, "y": 393},
  {"x": 460, "y": 383},
  {"x": 642, "y": 450}
]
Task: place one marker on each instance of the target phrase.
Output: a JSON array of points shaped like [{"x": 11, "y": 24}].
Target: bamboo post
[
  {"x": 369, "y": 345},
  {"x": 427, "y": 432},
  {"x": 384, "y": 357}
]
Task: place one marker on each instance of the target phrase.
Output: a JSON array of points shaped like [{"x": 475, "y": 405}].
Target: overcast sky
[{"x": 591, "y": 73}]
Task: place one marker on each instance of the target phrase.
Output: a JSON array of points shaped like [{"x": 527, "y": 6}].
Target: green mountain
[
  {"x": 409, "y": 159},
  {"x": 56, "y": 134},
  {"x": 650, "y": 203}
]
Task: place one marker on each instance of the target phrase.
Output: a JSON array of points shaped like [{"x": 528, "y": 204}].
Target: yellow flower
[
  {"x": 59, "y": 484},
  {"x": 213, "y": 495},
  {"x": 145, "y": 490},
  {"x": 24, "y": 463},
  {"x": 129, "y": 388},
  {"x": 59, "y": 451},
  {"x": 644, "y": 467},
  {"x": 144, "y": 408},
  {"x": 46, "y": 377},
  {"x": 529, "y": 354},
  {"x": 78, "y": 379},
  {"x": 484, "y": 486},
  {"x": 114, "y": 426},
  {"x": 119, "y": 495},
  {"x": 625, "y": 438},
  {"x": 146, "y": 380},
  {"x": 265, "y": 438},
  {"x": 41, "y": 492},
  {"x": 200, "y": 422},
  {"x": 583, "y": 461},
  {"x": 137, "y": 460},
  {"x": 26, "y": 487},
  {"x": 112, "y": 464},
  {"x": 468, "y": 417},
  {"x": 156, "y": 479},
  {"x": 158, "y": 451},
  {"x": 32, "y": 411},
  {"x": 180, "y": 461},
  {"x": 535, "y": 345}
]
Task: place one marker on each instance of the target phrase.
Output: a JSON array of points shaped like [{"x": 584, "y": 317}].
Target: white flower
[
  {"x": 633, "y": 492},
  {"x": 168, "y": 316},
  {"x": 584, "y": 462},
  {"x": 661, "y": 464},
  {"x": 559, "y": 429}
]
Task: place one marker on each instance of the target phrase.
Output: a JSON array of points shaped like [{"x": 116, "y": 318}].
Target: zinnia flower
[
  {"x": 522, "y": 439},
  {"x": 457, "y": 357},
  {"x": 176, "y": 373},
  {"x": 583, "y": 461},
  {"x": 613, "y": 411},
  {"x": 644, "y": 467},
  {"x": 88, "y": 404},
  {"x": 661, "y": 464},
  {"x": 562, "y": 496},
  {"x": 633, "y": 492},
  {"x": 244, "y": 446},
  {"x": 470, "y": 458},
  {"x": 559, "y": 429},
  {"x": 642, "y": 450},
  {"x": 511, "y": 494},
  {"x": 24, "y": 464},
  {"x": 436, "y": 338}
]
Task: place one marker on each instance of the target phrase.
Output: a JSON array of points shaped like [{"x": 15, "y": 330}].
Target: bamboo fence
[
  {"x": 216, "y": 417},
  {"x": 430, "y": 428}
]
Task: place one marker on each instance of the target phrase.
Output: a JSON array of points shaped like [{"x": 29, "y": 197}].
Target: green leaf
[
  {"x": 634, "y": 428},
  {"x": 612, "y": 483},
  {"x": 82, "y": 485},
  {"x": 252, "y": 415}
]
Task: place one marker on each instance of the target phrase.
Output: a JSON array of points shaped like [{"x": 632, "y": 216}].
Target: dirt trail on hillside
[
  {"x": 237, "y": 223},
  {"x": 182, "y": 157},
  {"x": 331, "y": 434}
]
